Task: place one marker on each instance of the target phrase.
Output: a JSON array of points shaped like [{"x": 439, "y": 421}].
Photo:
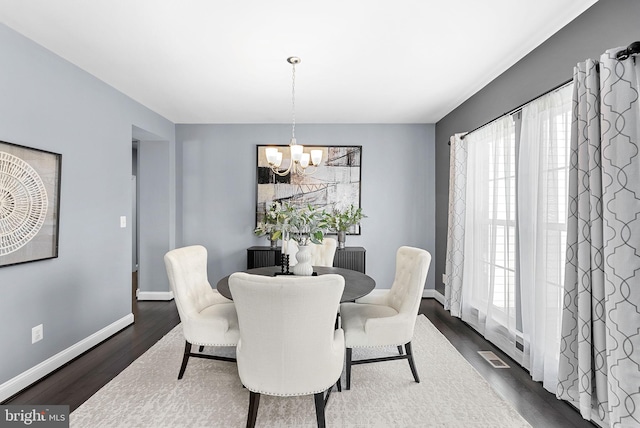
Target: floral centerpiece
[
  {"x": 341, "y": 220},
  {"x": 305, "y": 224}
]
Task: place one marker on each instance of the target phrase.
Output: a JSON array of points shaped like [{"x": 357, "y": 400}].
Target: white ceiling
[{"x": 224, "y": 61}]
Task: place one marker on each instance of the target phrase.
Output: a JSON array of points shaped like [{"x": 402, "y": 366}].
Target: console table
[{"x": 353, "y": 258}]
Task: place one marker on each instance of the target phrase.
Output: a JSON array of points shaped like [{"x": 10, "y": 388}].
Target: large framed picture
[
  {"x": 335, "y": 183},
  {"x": 29, "y": 204}
]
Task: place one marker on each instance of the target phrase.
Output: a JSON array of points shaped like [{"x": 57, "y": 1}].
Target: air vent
[{"x": 493, "y": 359}]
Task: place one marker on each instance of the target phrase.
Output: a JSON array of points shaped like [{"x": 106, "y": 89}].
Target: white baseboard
[
  {"x": 427, "y": 294},
  {"x": 23, "y": 380},
  {"x": 155, "y": 295},
  {"x": 433, "y": 294}
]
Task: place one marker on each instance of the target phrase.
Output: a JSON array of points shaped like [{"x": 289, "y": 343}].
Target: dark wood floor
[
  {"x": 538, "y": 406},
  {"x": 78, "y": 380}
]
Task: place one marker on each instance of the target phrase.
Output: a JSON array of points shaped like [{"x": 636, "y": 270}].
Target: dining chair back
[
  {"x": 288, "y": 343},
  {"x": 207, "y": 317},
  {"x": 388, "y": 319},
  {"x": 321, "y": 254},
  {"x": 324, "y": 253}
]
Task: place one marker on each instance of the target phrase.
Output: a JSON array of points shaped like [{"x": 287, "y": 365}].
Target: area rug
[{"x": 451, "y": 393}]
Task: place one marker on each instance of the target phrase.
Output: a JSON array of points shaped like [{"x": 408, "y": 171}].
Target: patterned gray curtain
[
  {"x": 599, "y": 367},
  {"x": 455, "y": 232}
]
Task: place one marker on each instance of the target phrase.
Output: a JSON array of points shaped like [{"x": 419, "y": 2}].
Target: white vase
[{"x": 303, "y": 267}]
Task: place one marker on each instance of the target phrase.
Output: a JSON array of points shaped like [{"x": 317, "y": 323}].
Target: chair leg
[
  {"x": 254, "y": 402},
  {"x": 412, "y": 364},
  {"x": 400, "y": 349},
  {"x": 319, "y": 399},
  {"x": 201, "y": 348},
  {"x": 187, "y": 351},
  {"x": 348, "y": 367},
  {"x": 339, "y": 385}
]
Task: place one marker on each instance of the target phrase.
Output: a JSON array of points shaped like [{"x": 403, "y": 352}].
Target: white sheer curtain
[
  {"x": 514, "y": 235},
  {"x": 542, "y": 211},
  {"x": 488, "y": 290}
]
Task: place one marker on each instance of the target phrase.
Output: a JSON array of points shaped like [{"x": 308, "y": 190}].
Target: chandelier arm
[
  {"x": 283, "y": 173},
  {"x": 306, "y": 171},
  {"x": 296, "y": 168},
  {"x": 310, "y": 171}
]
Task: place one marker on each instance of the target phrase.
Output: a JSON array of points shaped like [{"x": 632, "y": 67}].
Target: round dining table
[{"x": 356, "y": 284}]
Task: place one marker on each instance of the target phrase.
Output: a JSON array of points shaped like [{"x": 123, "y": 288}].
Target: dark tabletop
[{"x": 356, "y": 284}]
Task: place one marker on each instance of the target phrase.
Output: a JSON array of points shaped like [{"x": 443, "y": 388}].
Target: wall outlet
[
  {"x": 444, "y": 278},
  {"x": 37, "y": 334},
  {"x": 123, "y": 221}
]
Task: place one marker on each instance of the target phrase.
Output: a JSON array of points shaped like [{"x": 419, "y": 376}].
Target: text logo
[{"x": 12, "y": 416}]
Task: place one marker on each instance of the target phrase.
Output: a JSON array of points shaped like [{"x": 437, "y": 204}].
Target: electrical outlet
[
  {"x": 123, "y": 221},
  {"x": 37, "y": 334},
  {"x": 444, "y": 278}
]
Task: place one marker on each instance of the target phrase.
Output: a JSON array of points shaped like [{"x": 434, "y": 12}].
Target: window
[{"x": 515, "y": 228}]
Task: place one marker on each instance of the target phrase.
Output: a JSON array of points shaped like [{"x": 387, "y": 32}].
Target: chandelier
[{"x": 299, "y": 160}]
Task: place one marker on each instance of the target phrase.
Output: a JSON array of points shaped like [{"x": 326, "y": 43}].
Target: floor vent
[{"x": 493, "y": 359}]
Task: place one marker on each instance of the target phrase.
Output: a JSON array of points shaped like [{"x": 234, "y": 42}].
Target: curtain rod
[
  {"x": 513, "y": 110},
  {"x": 632, "y": 49}
]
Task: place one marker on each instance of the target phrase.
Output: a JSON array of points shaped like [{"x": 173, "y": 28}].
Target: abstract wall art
[
  {"x": 29, "y": 204},
  {"x": 335, "y": 182}
]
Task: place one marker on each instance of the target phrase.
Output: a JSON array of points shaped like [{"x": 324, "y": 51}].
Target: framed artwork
[
  {"x": 334, "y": 183},
  {"x": 29, "y": 204}
]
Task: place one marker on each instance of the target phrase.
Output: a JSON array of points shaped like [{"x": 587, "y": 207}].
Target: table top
[{"x": 356, "y": 284}]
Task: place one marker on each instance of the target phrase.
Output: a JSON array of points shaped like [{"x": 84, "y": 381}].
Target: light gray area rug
[{"x": 451, "y": 393}]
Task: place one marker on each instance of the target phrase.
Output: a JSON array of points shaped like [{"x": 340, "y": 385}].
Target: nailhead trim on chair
[
  {"x": 213, "y": 344},
  {"x": 292, "y": 395},
  {"x": 376, "y": 346}
]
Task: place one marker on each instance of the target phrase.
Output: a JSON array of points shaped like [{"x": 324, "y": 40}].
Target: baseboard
[
  {"x": 23, "y": 380},
  {"x": 426, "y": 294},
  {"x": 155, "y": 295},
  {"x": 433, "y": 294}
]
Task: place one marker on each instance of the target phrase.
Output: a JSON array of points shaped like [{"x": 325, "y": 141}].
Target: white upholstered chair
[
  {"x": 388, "y": 318},
  {"x": 288, "y": 343},
  {"x": 208, "y": 318},
  {"x": 321, "y": 254}
]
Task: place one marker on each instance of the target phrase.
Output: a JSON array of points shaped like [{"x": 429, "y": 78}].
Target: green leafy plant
[
  {"x": 304, "y": 223},
  {"x": 272, "y": 224},
  {"x": 342, "y": 220}
]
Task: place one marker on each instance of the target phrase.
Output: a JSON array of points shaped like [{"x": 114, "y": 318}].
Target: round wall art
[{"x": 23, "y": 203}]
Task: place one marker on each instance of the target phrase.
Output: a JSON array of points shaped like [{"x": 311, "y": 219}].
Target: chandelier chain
[
  {"x": 293, "y": 101},
  {"x": 301, "y": 162}
]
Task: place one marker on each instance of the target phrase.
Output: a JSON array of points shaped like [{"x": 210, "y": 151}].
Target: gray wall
[
  {"x": 155, "y": 214},
  {"x": 607, "y": 24},
  {"x": 219, "y": 188},
  {"x": 50, "y": 104}
]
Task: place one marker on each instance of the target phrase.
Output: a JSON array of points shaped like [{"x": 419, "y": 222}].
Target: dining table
[{"x": 356, "y": 284}]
